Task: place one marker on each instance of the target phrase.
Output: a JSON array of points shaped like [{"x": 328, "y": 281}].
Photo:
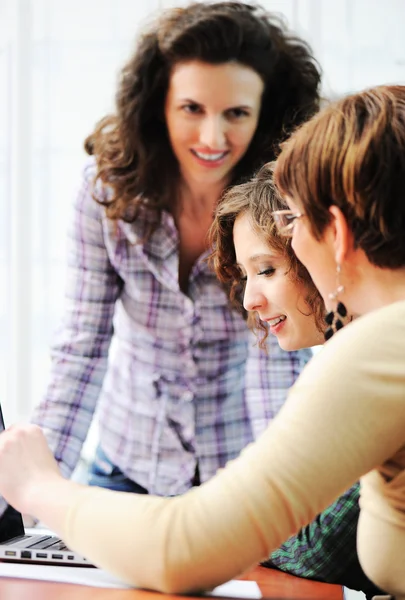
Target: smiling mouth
[
  {"x": 210, "y": 157},
  {"x": 276, "y": 320}
]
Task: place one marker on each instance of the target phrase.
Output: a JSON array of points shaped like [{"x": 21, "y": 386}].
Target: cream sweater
[{"x": 344, "y": 418}]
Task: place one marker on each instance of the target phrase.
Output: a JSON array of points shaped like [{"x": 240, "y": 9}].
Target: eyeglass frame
[{"x": 286, "y": 230}]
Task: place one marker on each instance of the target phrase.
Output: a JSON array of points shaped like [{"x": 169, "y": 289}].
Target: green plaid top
[{"x": 325, "y": 549}]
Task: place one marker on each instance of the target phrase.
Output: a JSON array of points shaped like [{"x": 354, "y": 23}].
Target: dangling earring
[{"x": 332, "y": 318}]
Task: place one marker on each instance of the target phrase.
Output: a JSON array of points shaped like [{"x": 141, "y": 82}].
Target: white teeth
[
  {"x": 210, "y": 157},
  {"x": 275, "y": 321}
]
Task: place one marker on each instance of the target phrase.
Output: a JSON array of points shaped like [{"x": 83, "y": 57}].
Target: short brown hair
[
  {"x": 352, "y": 155},
  {"x": 256, "y": 198}
]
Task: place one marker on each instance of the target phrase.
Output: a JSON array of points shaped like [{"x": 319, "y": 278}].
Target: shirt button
[{"x": 187, "y": 396}]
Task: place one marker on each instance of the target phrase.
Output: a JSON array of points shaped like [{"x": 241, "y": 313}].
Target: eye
[
  {"x": 237, "y": 113},
  {"x": 240, "y": 276},
  {"x": 192, "y": 108},
  {"x": 267, "y": 272}
]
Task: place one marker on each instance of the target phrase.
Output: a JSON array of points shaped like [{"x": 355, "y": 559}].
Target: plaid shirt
[
  {"x": 325, "y": 550},
  {"x": 183, "y": 383}
]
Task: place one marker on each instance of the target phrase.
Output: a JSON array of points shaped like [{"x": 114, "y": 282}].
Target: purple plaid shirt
[{"x": 182, "y": 383}]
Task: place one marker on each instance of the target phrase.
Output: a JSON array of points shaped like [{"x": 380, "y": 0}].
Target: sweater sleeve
[
  {"x": 80, "y": 349},
  {"x": 323, "y": 439}
]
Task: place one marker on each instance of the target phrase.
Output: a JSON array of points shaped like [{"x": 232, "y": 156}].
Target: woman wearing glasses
[
  {"x": 265, "y": 279},
  {"x": 344, "y": 418}
]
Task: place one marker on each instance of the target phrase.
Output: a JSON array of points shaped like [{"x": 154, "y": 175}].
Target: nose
[
  {"x": 213, "y": 132},
  {"x": 253, "y": 299}
]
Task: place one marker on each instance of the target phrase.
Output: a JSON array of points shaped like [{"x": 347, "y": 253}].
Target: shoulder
[
  {"x": 90, "y": 183},
  {"x": 90, "y": 211},
  {"x": 373, "y": 323},
  {"x": 364, "y": 359},
  {"x": 88, "y": 190},
  {"x": 378, "y": 335}
]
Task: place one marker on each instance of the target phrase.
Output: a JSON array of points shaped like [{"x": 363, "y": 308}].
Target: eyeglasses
[{"x": 285, "y": 221}]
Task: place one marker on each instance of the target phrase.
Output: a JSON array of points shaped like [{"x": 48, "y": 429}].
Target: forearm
[
  {"x": 188, "y": 543},
  {"x": 67, "y": 409},
  {"x": 52, "y": 501},
  {"x": 122, "y": 533}
]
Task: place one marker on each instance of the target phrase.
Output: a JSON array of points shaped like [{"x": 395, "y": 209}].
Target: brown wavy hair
[
  {"x": 132, "y": 149},
  {"x": 256, "y": 198},
  {"x": 352, "y": 155}
]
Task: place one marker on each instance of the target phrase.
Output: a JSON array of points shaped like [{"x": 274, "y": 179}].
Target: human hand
[
  {"x": 26, "y": 465},
  {"x": 29, "y": 520}
]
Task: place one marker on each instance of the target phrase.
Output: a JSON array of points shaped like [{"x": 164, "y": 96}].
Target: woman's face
[
  {"x": 271, "y": 292},
  {"x": 211, "y": 114},
  {"x": 316, "y": 255}
]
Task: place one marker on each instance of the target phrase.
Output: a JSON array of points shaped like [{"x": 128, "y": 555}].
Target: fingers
[
  {"x": 23, "y": 440},
  {"x": 24, "y": 429}
]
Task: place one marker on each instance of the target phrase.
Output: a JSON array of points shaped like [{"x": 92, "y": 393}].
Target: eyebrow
[
  {"x": 191, "y": 101},
  {"x": 261, "y": 256},
  {"x": 258, "y": 257}
]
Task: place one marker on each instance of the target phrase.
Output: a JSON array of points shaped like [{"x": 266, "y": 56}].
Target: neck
[
  {"x": 199, "y": 197},
  {"x": 372, "y": 287}
]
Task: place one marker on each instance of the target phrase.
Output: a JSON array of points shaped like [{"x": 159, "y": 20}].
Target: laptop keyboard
[
  {"x": 51, "y": 542},
  {"x": 57, "y": 544},
  {"x": 46, "y": 541}
]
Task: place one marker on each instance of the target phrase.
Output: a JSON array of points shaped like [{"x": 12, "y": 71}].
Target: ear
[{"x": 342, "y": 238}]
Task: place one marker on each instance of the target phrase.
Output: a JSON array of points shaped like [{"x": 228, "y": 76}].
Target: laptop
[{"x": 18, "y": 546}]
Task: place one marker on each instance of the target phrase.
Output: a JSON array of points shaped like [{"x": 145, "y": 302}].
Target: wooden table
[{"x": 273, "y": 585}]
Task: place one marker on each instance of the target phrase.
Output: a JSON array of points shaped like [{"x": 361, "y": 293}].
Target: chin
[
  {"x": 288, "y": 347},
  {"x": 291, "y": 346}
]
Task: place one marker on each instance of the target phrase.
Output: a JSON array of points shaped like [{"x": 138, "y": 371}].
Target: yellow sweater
[{"x": 344, "y": 418}]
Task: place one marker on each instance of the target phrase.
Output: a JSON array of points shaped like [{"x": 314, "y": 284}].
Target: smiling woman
[
  {"x": 260, "y": 268},
  {"x": 212, "y": 113},
  {"x": 209, "y": 93},
  {"x": 278, "y": 299}
]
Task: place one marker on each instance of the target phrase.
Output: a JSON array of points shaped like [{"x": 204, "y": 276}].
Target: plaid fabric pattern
[
  {"x": 182, "y": 383},
  {"x": 325, "y": 550}
]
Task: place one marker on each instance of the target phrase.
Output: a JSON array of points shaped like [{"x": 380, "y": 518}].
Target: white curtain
[{"x": 58, "y": 66}]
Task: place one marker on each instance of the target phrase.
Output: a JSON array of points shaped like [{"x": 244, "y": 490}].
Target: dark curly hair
[
  {"x": 256, "y": 198},
  {"x": 132, "y": 149}
]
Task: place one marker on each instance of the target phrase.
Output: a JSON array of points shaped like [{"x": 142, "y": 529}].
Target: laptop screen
[{"x": 11, "y": 523}]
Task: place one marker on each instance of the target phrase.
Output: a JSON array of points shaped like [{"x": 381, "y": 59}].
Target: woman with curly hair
[
  {"x": 265, "y": 280},
  {"x": 207, "y": 97}
]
